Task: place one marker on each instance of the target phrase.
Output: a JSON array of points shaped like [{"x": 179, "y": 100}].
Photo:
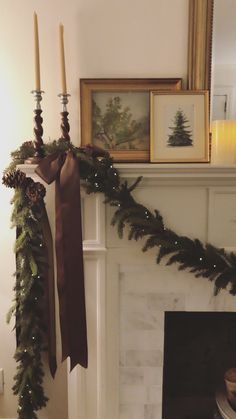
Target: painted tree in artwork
[
  {"x": 116, "y": 126},
  {"x": 181, "y": 135}
]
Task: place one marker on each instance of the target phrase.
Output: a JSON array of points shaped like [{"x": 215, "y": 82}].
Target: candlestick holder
[
  {"x": 38, "y": 130},
  {"x": 65, "y": 126}
]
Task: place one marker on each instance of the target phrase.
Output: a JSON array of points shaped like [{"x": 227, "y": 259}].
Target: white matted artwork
[{"x": 179, "y": 127}]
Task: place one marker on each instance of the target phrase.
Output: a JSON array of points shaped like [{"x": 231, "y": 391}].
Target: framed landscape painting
[
  {"x": 115, "y": 115},
  {"x": 179, "y": 127}
]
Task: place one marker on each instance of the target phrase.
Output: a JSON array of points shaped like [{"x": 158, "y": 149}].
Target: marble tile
[
  {"x": 131, "y": 375},
  {"x": 144, "y": 358},
  {"x": 121, "y": 283},
  {"x": 156, "y": 279},
  {"x": 133, "y": 394},
  {"x": 154, "y": 394},
  {"x": 144, "y": 320},
  {"x": 153, "y": 375},
  {"x": 166, "y": 301},
  {"x": 133, "y": 301},
  {"x": 142, "y": 340},
  {"x": 153, "y": 411},
  {"x": 131, "y": 411},
  {"x": 139, "y": 268},
  {"x": 122, "y": 358}
]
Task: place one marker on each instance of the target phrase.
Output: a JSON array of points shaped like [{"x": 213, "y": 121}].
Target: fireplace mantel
[
  {"x": 123, "y": 380},
  {"x": 179, "y": 171},
  {"x": 132, "y": 170}
]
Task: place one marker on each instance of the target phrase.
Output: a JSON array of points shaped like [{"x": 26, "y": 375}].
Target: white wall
[
  {"x": 103, "y": 38},
  {"x": 225, "y": 83}
]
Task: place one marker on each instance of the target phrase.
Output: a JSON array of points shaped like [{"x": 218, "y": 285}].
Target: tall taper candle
[
  {"x": 36, "y": 54},
  {"x": 63, "y": 65}
]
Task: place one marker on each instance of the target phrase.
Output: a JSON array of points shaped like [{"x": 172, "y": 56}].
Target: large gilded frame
[{"x": 200, "y": 44}]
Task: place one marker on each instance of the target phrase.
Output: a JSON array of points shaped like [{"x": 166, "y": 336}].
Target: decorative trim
[
  {"x": 196, "y": 171},
  {"x": 84, "y": 404},
  {"x": 93, "y": 210},
  {"x": 165, "y": 171},
  {"x": 180, "y": 174},
  {"x": 200, "y": 44},
  {"x": 219, "y": 230}
]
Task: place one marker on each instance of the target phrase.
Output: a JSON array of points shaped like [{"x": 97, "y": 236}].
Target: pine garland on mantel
[{"x": 99, "y": 175}]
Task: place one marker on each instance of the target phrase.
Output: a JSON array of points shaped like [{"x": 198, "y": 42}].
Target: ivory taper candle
[
  {"x": 63, "y": 65},
  {"x": 36, "y": 54}
]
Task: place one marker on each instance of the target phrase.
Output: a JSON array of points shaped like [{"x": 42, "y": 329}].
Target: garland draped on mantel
[{"x": 99, "y": 175}]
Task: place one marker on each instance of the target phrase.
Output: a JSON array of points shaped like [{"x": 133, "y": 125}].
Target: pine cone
[
  {"x": 14, "y": 179},
  {"x": 35, "y": 191}
]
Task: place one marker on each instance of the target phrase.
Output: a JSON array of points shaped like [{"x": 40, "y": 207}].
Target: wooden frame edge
[
  {"x": 200, "y": 44},
  {"x": 206, "y": 157}
]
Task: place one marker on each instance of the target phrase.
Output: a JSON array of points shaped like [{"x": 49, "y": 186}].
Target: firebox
[{"x": 199, "y": 347}]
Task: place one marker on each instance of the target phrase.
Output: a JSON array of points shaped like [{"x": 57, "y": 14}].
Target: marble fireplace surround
[{"x": 127, "y": 293}]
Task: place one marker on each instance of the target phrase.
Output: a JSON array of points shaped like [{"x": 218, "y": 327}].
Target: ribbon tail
[
  {"x": 49, "y": 290},
  {"x": 70, "y": 264}
]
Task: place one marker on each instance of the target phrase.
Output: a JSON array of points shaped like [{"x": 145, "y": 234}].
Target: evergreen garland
[
  {"x": 99, "y": 175},
  {"x": 28, "y": 306}
]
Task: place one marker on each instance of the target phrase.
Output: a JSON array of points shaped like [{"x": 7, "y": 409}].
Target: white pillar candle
[{"x": 223, "y": 144}]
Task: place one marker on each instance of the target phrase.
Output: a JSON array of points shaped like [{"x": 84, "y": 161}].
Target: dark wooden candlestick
[
  {"x": 38, "y": 130},
  {"x": 65, "y": 126}
]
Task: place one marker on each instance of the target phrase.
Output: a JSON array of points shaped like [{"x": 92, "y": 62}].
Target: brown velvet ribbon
[
  {"x": 49, "y": 292},
  {"x": 64, "y": 169}
]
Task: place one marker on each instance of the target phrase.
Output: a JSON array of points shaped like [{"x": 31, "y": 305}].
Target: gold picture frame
[
  {"x": 200, "y": 44},
  {"x": 179, "y": 127},
  {"x": 115, "y": 115}
]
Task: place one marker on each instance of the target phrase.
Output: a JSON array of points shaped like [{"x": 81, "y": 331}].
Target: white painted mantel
[{"x": 127, "y": 293}]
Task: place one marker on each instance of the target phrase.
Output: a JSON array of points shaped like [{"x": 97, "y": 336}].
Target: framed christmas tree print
[{"x": 179, "y": 127}]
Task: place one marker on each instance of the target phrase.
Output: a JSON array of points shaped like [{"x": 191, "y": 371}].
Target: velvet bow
[{"x": 64, "y": 170}]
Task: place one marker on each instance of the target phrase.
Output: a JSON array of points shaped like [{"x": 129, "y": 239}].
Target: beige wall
[{"x": 103, "y": 38}]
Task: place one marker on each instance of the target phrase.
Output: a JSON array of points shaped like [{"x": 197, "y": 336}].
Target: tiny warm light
[{"x": 223, "y": 149}]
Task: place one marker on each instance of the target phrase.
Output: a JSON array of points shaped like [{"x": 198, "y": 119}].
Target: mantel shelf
[
  {"x": 177, "y": 170},
  {"x": 189, "y": 172}
]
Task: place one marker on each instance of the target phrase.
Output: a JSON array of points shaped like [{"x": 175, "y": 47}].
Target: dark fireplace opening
[{"x": 199, "y": 347}]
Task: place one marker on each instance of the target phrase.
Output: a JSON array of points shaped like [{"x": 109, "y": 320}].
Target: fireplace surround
[
  {"x": 199, "y": 347},
  {"x": 128, "y": 294}
]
